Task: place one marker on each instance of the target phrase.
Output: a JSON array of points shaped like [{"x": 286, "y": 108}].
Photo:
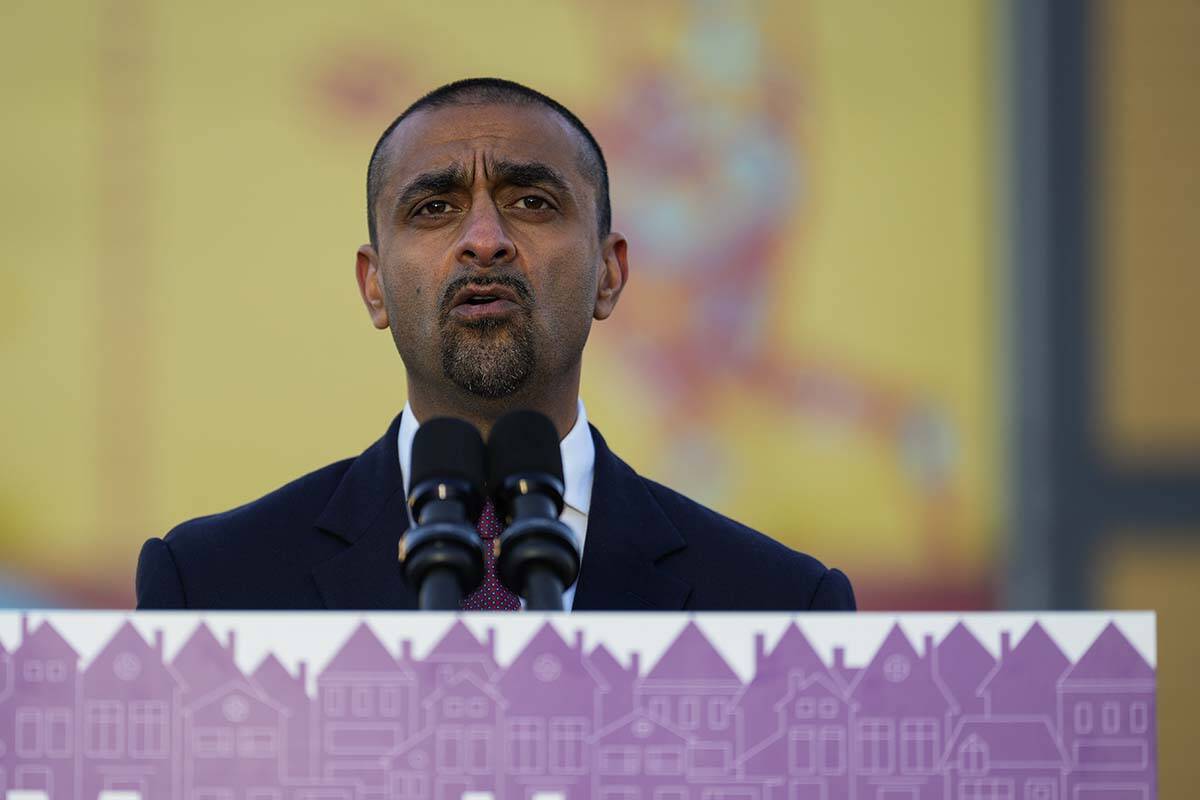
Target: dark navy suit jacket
[{"x": 330, "y": 539}]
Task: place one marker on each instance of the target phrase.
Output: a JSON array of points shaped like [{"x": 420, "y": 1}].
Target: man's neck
[{"x": 560, "y": 404}]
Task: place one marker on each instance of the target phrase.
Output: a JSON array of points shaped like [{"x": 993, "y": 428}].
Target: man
[{"x": 490, "y": 254}]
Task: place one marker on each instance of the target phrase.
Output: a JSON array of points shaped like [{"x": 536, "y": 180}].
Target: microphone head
[
  {"x": 447, "y": 453},
  {"x": 524, "y": 447}
]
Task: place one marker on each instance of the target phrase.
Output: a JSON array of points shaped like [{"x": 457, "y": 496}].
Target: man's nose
[{"x": 484, "y": 241}]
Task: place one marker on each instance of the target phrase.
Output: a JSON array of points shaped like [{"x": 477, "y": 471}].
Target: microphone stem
[
  {"x": 440, "y": 591},
  {"x": 543, "y": 591}
]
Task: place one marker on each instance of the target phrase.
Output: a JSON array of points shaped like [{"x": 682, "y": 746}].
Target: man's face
[{"x": 489, "y": 267}]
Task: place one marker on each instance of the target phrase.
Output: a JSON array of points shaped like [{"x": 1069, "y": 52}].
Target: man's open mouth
[{"x": 481, "y": 302}]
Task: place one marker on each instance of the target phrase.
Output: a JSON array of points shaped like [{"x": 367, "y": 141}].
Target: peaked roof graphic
[
  {"x": 691, "y": 657},
  {"x": 273, "y": 677},
  {"x": 362, "y": 652},
  {"x": 458, "y": 642},
  {"x": 961, "y": 643},
  {"x": 548, "y": 639},
  {"x": 1035, "y": 654},
  {"x": 902, "y": 676},
  {"x": 963, "y": 663},
  {"x": 270, "y": 669},
  {"x": 46, "y": 640},
  {"x": 127, "y": 638},
  {"x": 607, "y": 665},
  {"x": 894, "y": 644},
  {"x": 204, "y": 662},
  {"x": 792, "y": 653},
  {"x": 1111, "y": 657}
]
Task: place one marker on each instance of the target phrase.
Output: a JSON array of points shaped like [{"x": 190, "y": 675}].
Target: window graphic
[
  {"x": 985, "y": 789},
  {"x": 973, "y": 757},
  {"x": 1138, "y": 718},
  {"x": 918, "y": 745},
  {"x": 1083, "y": 717},
  {"x": 29, "y": 732},
  {"x": 619, "y": 760},
  {"x": 801, "y": 751},
  {"x": 833, "y": 751},
  {"x": 1110, "y": 717},
  {"x": 335, "y": 701},
  {"x": 148, "y": 729},
  {"x": 208, "y": 742},
  {"x": 103, "y": 728},
  {"x": 718, "y": 713},
  {"x": 526, "y": 743},
  {"x": 59, "y": 733},
  {"x": 664, "y": 760},
  {"x": 877, "y": 746},
  {"x": 567, "y": 745}
]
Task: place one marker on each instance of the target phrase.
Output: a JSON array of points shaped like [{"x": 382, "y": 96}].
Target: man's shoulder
[
  {"x": 258, "y": 555},
  {"x": 748, "y": 562},
  {"x": 719, "y": 564},
  {"x": 703, "y": 526},
  {"x": 291, "y": 508}
]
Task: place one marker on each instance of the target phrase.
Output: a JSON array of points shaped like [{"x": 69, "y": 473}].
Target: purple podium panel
[{"x": 337, "y": 706}]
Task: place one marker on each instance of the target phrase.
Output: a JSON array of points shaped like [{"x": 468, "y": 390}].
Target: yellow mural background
[{"x": 183, "y": 194}]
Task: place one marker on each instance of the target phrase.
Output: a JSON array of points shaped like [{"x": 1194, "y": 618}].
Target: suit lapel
[
  {"x": 368, "y": 512},
  {"x": 627, "y": 535}
]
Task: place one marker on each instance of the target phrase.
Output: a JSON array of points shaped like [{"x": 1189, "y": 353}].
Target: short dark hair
[{"x": 504, "y": 92}]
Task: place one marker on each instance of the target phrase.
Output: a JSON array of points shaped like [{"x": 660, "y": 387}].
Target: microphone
[
  {"x": 443, "y": 555},
  {"x": 537, "y": 556}
]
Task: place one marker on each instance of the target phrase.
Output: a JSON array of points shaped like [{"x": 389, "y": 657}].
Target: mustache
[{"x": 518, "y": 285}]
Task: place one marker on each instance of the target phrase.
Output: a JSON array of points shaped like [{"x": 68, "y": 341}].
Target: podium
[{"x": 343, "y": 706}]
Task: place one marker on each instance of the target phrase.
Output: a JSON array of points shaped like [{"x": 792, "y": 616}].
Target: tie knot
[{"x": 488, "y": 526}]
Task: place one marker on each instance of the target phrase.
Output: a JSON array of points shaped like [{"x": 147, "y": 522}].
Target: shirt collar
[{"x": 578, "y": 457}]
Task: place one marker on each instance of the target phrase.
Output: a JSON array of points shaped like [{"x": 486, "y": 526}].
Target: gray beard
[{"x": 492, "y": 358}]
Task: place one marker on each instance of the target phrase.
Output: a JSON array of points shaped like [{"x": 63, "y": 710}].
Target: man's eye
[
  {"x": 533, "y": 203},
  {"x": 433, "y": 207}
]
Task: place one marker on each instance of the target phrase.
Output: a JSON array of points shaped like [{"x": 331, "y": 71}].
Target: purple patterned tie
[{"x": 491, "y": 594}]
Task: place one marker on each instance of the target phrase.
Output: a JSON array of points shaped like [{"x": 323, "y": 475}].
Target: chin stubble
[{"x": 490, "y": 358}]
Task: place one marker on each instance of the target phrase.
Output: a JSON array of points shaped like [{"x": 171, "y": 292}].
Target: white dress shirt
[{"x": 579, "y": 461}]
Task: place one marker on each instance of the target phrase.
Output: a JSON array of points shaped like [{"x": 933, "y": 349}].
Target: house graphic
[{"x": 942, "y": 720}]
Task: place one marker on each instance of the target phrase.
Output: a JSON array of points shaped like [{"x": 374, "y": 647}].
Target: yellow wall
[
  {"x": 183, "y": 198},
  {"x": 1149, "y": 236},
  {"x": 1148, "y": 246}
]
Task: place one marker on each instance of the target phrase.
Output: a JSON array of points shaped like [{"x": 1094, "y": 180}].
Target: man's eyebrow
[
  {"x": 438, "y": 181},
  {"x": 528, "y": 173}
]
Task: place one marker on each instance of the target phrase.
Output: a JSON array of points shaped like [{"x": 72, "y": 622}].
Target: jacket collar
[
  {"x": 627, "y": 535},
  {"x": 368, "y": 512}
]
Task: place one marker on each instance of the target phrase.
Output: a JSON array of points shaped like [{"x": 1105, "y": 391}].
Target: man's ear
[
  {"x": 370, "y": 286},
  {"x": 614, "y": 274}
]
